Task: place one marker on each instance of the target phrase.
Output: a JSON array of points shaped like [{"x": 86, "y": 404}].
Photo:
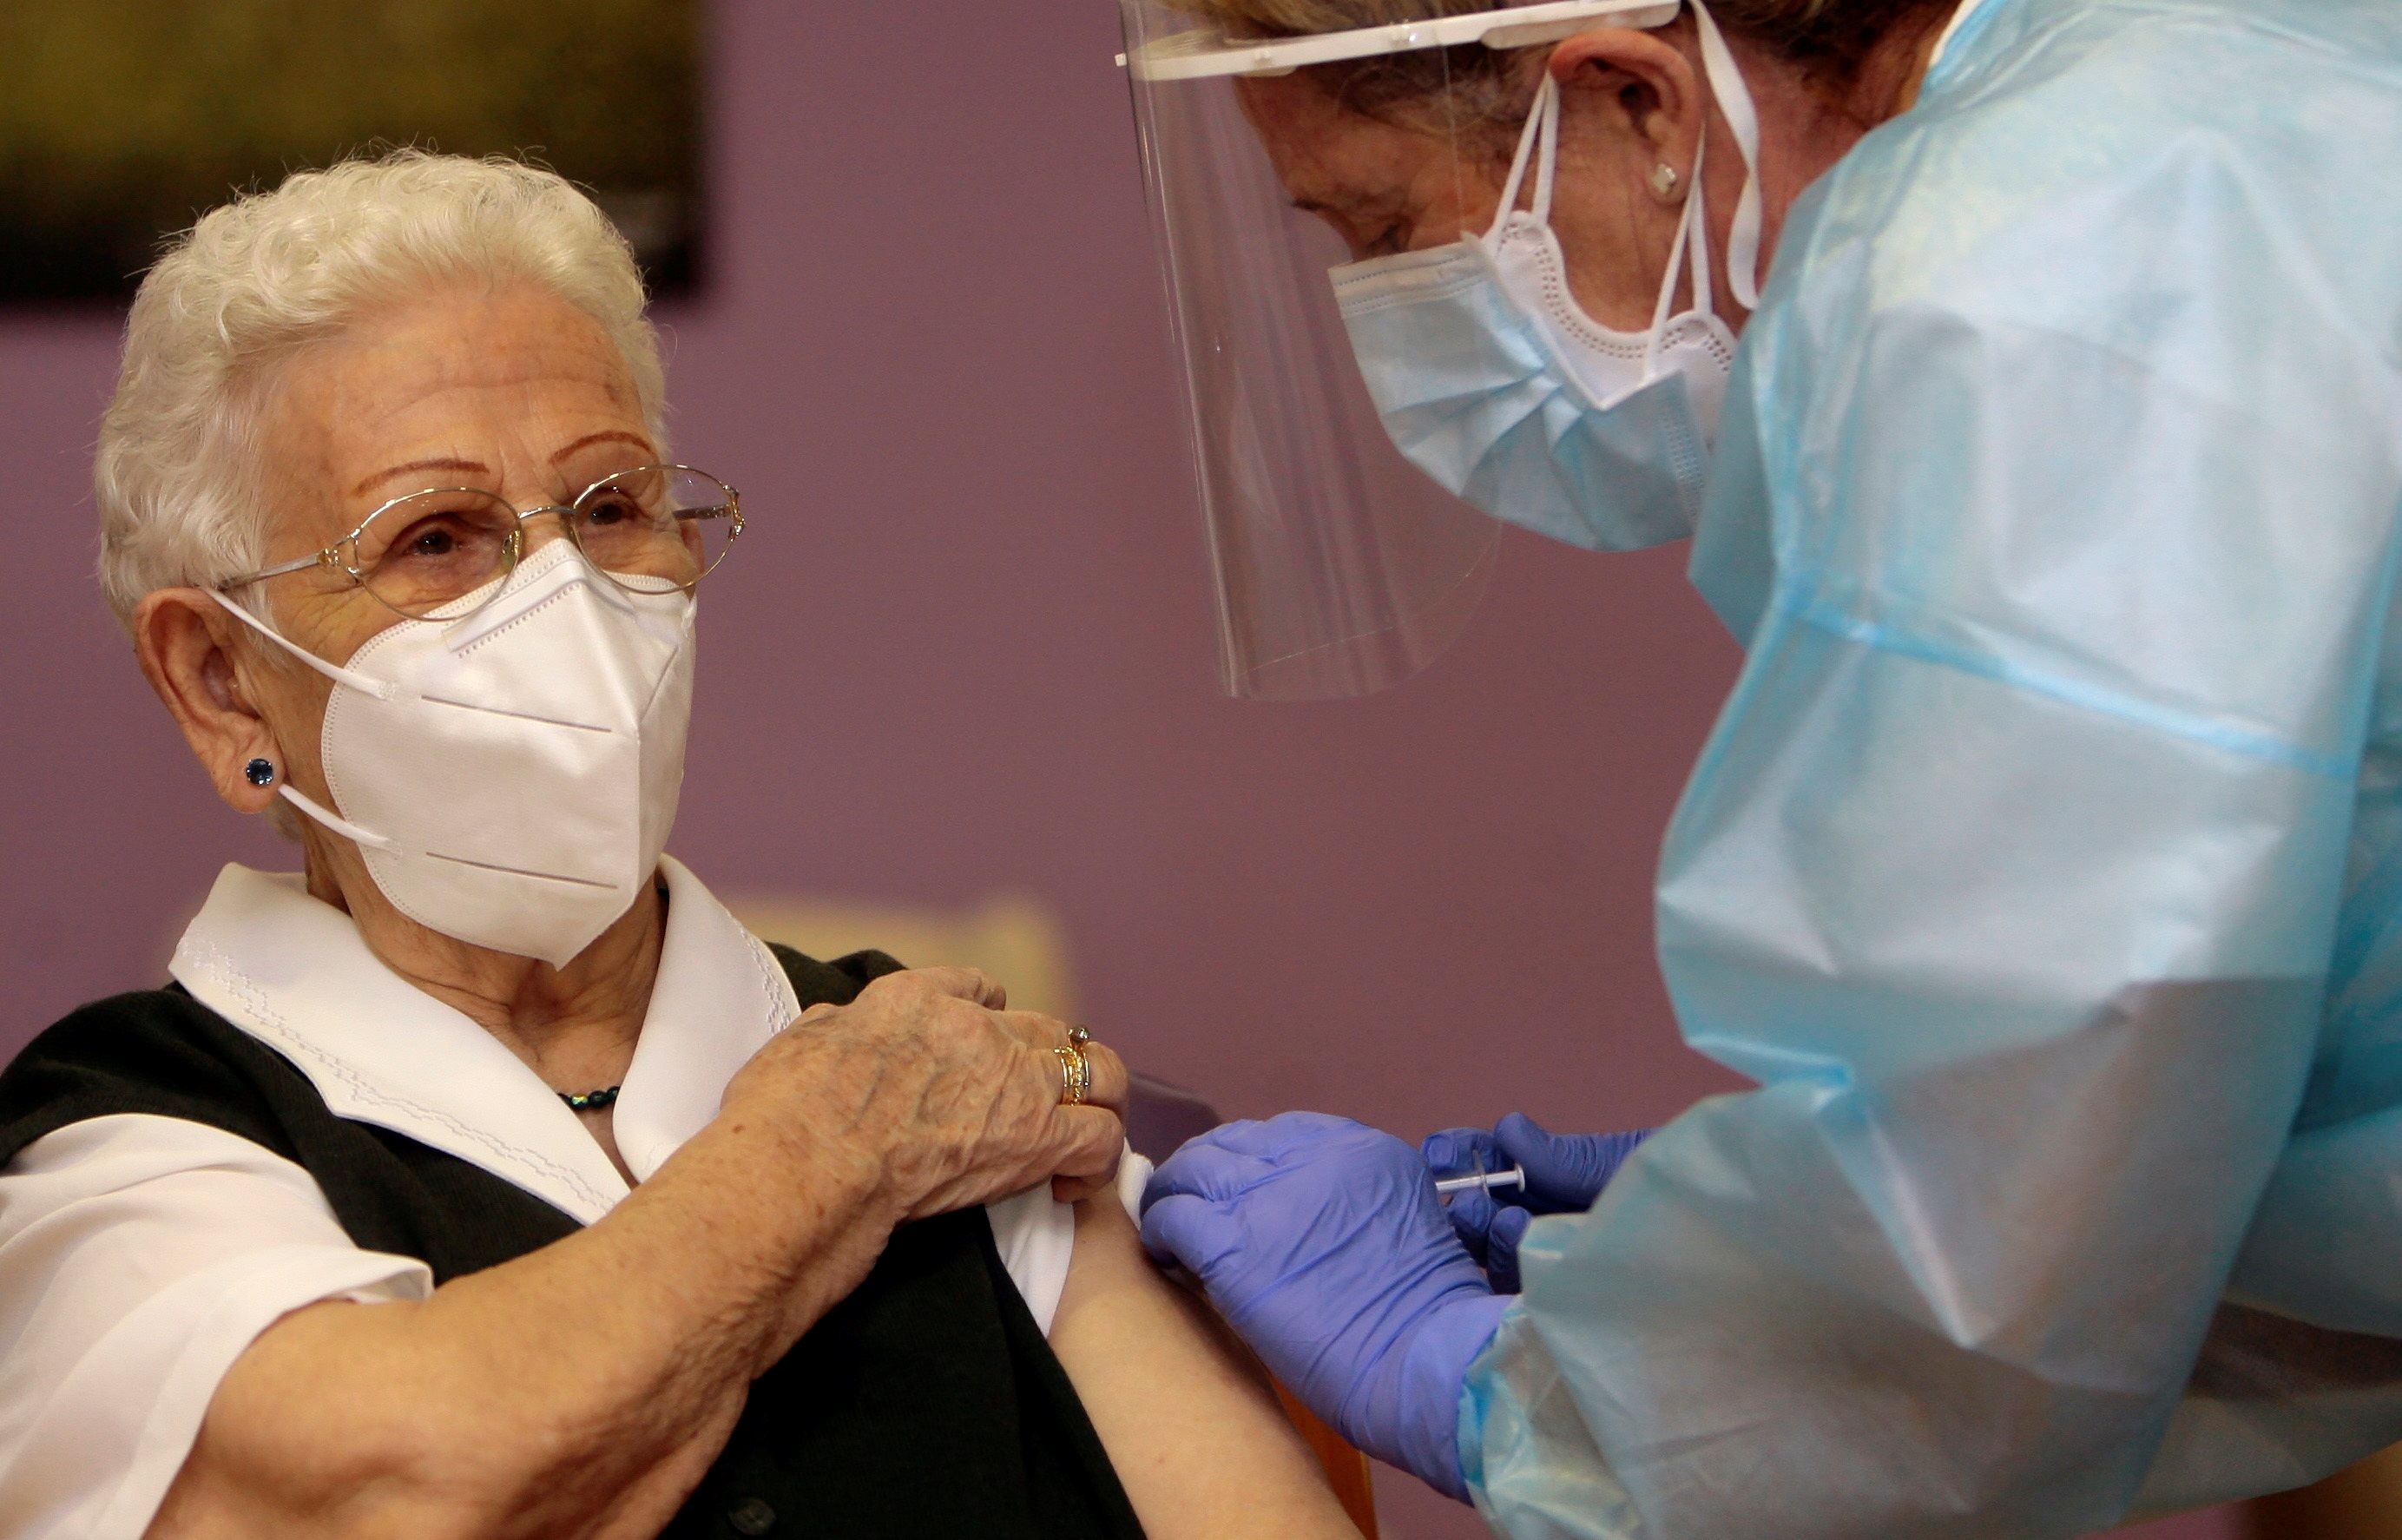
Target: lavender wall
[{"x": 967, "y": 649}]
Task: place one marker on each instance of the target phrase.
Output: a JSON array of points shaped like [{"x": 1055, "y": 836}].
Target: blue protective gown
[{"x": 2045, "y": 867}]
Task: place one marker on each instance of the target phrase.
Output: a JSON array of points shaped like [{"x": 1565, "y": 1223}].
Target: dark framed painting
[{"x": 122, "y": 120}]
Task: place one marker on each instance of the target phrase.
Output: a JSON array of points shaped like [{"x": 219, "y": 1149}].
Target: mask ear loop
[
  {"x": 1542, "y": 125},
  {"x": 1547, "y": 164},
  {"x": 381, "y": 689},
  {"x": 1734, "y": 104},
  {"x": 1697, "y": 235},
  {"x": 1690, "y": 238},
  {"x": 338, "y": 824}
]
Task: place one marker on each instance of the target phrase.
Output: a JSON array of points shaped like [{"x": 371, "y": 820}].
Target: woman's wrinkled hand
[{"x": 946, "y": 1097}]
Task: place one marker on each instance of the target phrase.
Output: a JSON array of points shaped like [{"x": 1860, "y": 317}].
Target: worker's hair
[
  {"x": 1827, "y": 40},
  {"x": 177, "y": 474}
]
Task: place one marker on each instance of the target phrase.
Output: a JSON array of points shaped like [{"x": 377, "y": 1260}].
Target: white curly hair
[{"x": 178, "y": 474}]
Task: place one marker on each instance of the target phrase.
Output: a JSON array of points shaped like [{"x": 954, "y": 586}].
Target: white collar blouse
[{"x": 140, "y": 1255}]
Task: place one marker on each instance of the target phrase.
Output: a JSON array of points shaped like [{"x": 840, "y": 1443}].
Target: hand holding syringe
[{"x": 1542, "y": 1173}]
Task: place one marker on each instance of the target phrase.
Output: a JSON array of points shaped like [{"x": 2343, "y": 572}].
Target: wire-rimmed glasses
[{"x": 653, "y": 529}]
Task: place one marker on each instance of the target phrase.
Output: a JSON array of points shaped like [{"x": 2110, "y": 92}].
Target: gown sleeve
[
  {"x": 139, "y": 1256},
  {"x": 2012, "y": 873}
]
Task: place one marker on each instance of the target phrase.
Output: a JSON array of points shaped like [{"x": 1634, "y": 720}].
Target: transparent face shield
[{"x": 1341, "y": 568}]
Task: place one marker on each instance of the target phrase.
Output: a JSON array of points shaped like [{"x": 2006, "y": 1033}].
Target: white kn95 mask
[{"x": 510, "y": 774}]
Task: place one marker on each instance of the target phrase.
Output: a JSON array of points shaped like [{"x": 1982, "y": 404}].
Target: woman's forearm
[{"x": 581, "y": 1390}]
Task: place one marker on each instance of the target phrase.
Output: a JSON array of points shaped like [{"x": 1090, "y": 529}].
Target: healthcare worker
[{"x": 2044, "y": 866}]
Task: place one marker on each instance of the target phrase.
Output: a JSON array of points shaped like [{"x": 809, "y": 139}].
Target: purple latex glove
[
  {"x": 1565, "y": 1173},
  {"x": 1321, "y": 1242}
]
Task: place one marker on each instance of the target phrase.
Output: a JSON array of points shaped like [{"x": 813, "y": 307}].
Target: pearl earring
[
  {"x": 259, "y": 772},
  {"x": 1664, "y": 179}
]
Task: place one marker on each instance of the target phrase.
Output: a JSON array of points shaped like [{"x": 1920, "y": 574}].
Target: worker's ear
[{"x": 1633, "y": 86}]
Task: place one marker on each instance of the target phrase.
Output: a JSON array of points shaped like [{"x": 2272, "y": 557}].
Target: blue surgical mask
[{"x": 1492, "y": 379}]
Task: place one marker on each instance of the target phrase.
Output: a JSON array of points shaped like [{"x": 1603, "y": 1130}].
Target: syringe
[{"x": 1514, "y": 1177}]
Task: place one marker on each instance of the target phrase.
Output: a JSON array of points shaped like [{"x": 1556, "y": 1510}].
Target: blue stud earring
[{"x": 259, "y": 772}]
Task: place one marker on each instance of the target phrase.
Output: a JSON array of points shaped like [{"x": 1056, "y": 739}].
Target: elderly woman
[{"x": 489, "y": 1179}]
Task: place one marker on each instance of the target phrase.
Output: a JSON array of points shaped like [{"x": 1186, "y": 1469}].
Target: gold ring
[{"x": 1075, "y": 1076}]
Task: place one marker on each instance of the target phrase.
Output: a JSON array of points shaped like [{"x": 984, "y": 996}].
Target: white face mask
[
  {"x": 510, "y": 777},
  {"x": 1491, "y": 378}
]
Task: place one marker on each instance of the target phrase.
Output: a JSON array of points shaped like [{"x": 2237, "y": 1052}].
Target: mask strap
[
  {"x": 341, "y": 825},
  {"x": 1547, "y": 165},
  {"x": 1688, "y": 224},
  {"x": 381, "y": 689},
  {"x": 1697, "y": 238},
  {"x": 1734, "y": 104},
  {"x": 1540, "y": 125}
]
